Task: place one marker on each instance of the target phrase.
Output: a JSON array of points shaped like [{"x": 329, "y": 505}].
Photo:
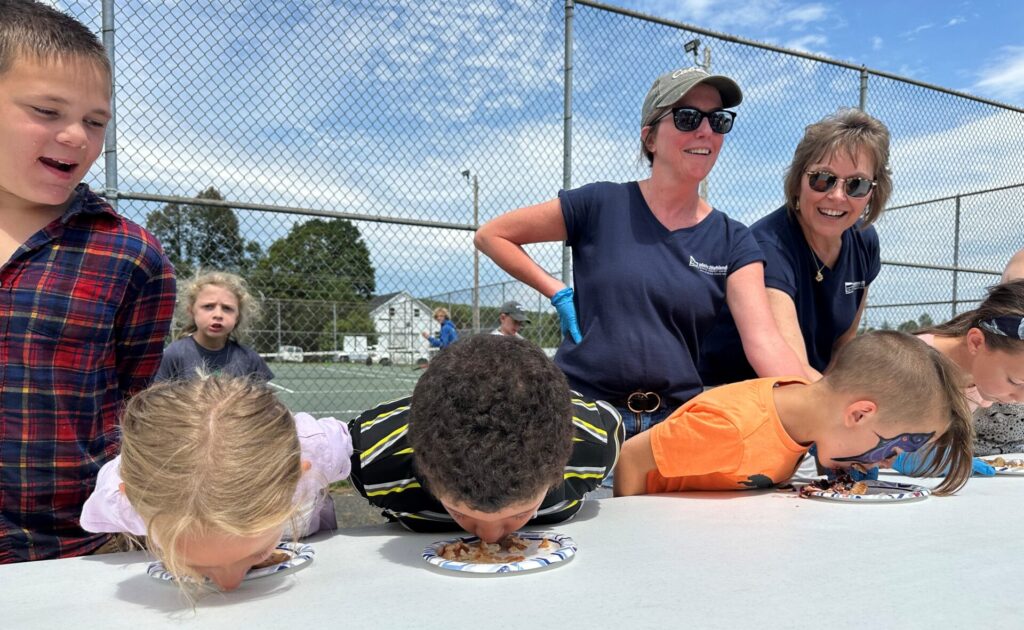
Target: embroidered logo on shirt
[
  {"x": 711, "y": 270},
  {"x": 852, "y": 287}
]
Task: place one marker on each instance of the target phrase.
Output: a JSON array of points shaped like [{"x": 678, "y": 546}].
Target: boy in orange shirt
[{"x": 885, "y": 393}]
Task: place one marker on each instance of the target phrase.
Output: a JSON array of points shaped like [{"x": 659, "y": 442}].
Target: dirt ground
[{"x": 353, "y": 510}]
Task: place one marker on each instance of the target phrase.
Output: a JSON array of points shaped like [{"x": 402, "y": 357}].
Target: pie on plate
[
  {"x": 521, "y": 551},
  {"x": 1006, "y": 464},
  {"x": 287, "y": 557},
  {"x": 867, "y": 491}
]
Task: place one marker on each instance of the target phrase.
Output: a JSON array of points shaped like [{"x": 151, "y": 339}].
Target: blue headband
[{"x": 1005, "y": 326}]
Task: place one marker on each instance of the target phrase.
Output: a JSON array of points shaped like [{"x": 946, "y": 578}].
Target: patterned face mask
[{"x": 890, "y": 447}]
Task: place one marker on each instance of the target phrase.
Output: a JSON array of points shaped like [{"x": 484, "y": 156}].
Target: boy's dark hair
[
  {"x": 907, "y": 378},
  {"x": 33, "y": 30},
  {"x": 491, "y": 422}
]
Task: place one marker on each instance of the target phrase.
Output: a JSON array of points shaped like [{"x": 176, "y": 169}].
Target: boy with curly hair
[{"x": 492, "y": 439}]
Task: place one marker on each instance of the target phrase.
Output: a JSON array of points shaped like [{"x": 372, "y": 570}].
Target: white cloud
[
  {"x": 954, "y": 21},
  {"x": 809, "y": 43},
  {"x": 803, "y": 15},
  {"x": 916, "y": 30},
  {"x": 876, "y": 43},
  {"x": 1005, "y": 80},
  {"x": 733, "y": 15}
]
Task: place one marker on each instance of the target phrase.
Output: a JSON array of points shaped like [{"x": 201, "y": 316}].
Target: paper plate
[
  {"x": 1006, "y": 470},
  {"x": 878, "y": 492},
  {"x": 300, "y": 557},
  {"x": 559, "y": 549}
]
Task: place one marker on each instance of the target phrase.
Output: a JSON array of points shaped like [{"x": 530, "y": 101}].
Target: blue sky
[
  {"x": 974, "y": 47},
  {"x": 375, "y": 106}
]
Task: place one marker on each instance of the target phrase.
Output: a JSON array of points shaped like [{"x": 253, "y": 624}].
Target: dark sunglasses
[
  {"x": 823, "y": 181},
  {"x": 688, "y": 119}
]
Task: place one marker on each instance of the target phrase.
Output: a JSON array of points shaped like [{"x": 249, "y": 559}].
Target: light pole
[
  {"x": 476, "y": 253},
  {"x": 693, "y": 47}
]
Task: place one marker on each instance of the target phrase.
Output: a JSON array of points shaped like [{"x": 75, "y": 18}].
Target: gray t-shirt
[
  {"x": 182, "y": 357},
  {"x": 999, "y": 429}
]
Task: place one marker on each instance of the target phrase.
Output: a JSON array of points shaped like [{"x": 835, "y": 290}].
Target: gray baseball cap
[
  {"x": 672, "y": 86},
  {"x": 515, "y": 311}
]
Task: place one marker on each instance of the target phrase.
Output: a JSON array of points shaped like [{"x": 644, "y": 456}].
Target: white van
[{"x": 289, "y": 354}]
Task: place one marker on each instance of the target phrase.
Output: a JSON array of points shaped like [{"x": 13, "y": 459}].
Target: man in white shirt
[{"x": 511, "y": 319}]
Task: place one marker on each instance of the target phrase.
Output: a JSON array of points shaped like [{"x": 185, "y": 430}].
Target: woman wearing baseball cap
[{"x": 652, "y": 262}]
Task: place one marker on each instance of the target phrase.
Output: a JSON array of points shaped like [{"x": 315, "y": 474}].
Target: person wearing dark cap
[
  {"x": 510, "y": 320},
  {"x": 653, "y": 262}
]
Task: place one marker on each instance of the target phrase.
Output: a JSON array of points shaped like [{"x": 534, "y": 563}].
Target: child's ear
[
  {"x": 975, "y": 340},
  {"x": 859, "y": 411}
]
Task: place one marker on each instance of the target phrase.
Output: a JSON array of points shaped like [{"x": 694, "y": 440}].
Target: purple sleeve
[
  {"x": 107, "y": 509},
  {"x": 327, "y": 446}
]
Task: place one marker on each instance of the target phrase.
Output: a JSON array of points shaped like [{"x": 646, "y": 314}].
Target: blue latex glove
[
  {"x": 562, "y": 301},
  {"x": 909, "y": 463}
]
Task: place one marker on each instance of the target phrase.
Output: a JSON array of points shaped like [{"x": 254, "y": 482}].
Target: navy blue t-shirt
[
  {"x": 825, "y": 310},
  {"x": 645, "y": 296},
  {"x": 183, "y": 357}
]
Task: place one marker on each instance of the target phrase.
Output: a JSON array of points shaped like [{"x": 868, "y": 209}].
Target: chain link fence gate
[{"x": 340, "y": 154}]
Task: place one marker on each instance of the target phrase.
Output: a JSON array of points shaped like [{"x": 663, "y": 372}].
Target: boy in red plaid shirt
[{"x": 86, "y": 296}]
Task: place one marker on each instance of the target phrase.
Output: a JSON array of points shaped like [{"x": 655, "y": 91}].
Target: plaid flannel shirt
[{"x": 85, "y": 305}]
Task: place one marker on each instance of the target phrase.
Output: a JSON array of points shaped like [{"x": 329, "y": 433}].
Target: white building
[{"x": 399, "y": 318}]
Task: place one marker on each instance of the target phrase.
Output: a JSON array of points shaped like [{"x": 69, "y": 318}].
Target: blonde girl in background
[
  {"x": 214, "y": 309},
  {"x": 215, "y": 472}
]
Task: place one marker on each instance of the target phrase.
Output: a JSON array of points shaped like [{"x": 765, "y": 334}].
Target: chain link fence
[{"x": 340, "y": 155}]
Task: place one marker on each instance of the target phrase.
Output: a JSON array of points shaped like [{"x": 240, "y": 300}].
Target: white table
[{"x": 705, "y": 560}]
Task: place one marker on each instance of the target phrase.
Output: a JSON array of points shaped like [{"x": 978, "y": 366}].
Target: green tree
[
  {"x": 912, "y": 325},
  {"x": 322, "y": 269},
  {"x": 197, "y": 235}
]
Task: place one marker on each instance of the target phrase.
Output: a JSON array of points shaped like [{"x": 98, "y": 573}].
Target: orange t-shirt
[{"x": 728, "y": 438}]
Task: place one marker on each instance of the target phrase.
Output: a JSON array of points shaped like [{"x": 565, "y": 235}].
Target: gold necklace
[{"x": 818, "y": 277}]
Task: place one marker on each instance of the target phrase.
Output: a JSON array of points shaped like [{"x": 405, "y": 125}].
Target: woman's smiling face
[{"x": 826, "y": 215}]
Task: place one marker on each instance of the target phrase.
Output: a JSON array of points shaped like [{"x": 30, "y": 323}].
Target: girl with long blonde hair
[{"x": 215, "y": 472}]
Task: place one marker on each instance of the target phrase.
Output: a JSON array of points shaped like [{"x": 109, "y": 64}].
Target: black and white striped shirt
[{"x": 383, "y": 472}]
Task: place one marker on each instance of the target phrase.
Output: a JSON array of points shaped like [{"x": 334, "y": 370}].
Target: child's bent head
[
  {"x": 916, "y": 394},
  {"x": 994, "y": 333},
  {"x": 491, "y": 430},
  {"x": 212, "y": 466},
  {"x": 34, "y": 32}
]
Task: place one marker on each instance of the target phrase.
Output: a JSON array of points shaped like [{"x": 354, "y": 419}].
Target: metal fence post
[
  {"x": 110, "y": 137},
  {"x": 567, "y": 131},
  {"x": 476, "y": 256},
  {"x": 956, "y": 253},
  {"x": 863, "y": 89}
]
